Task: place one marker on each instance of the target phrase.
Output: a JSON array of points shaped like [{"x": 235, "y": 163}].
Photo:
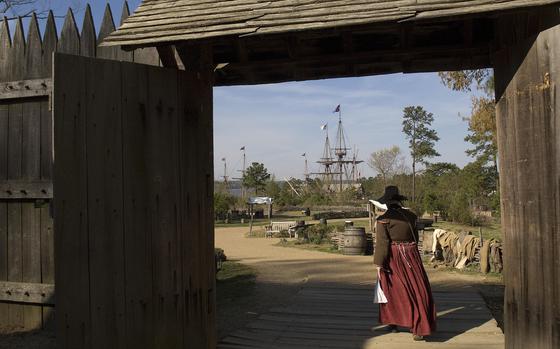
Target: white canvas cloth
[
  {"x": 379, "y": 296},
  {"x": 259, "y": 200},
  {"x": 379, "y": 205}
]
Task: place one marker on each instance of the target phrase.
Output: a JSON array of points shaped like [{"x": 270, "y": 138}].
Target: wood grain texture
[
  {"x": 25, "y": 94},
  {"x": 157, "y": 22},
  {"x": 143, "y": 210},
  {"x": 26, "y": 292},
  {"x": 104, "y": 192},
  {"x": 4, "y": 319},
  {"x": 73, "y": 322},
  {"x": 26, "y": 88},
  {"x": 527, "y": 77},
  {"x": 138, "y": 216}
]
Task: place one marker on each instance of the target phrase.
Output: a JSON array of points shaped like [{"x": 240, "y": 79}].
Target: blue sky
[{"x": 277, "y": 123}]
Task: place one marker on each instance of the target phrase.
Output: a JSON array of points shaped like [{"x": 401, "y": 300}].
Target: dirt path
[{"x": 286, "y": 274}]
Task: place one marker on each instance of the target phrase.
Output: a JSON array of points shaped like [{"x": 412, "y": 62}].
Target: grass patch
[
  {"x": 234, "y": 281},
  {"x": 490, "y": 231},
  {"x": 324, "y": 247}
]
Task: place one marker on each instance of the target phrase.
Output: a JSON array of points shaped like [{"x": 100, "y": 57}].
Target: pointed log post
[
  {"x": 527, "y": 73},
  {"x": 88, "y": 40},
  {"x": 196, "y": 131},
  {"x": 69, "y": 37},
  {"x": 5, "y": 50},
  {"x": 50, "y": 43}
]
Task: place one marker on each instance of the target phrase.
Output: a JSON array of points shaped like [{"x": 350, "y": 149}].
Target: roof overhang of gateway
[{"x": 258, "y": 41}]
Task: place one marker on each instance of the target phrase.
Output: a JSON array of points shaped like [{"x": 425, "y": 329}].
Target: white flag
[{"x": 323, "y": 127}]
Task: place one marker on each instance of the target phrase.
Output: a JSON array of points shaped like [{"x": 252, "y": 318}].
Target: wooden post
[
  {"x": 199, "y": 179},
  {"x": 251, "y": 219},
  {"x": 527, "y": 73}
]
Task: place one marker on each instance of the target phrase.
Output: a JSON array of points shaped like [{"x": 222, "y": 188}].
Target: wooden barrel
[{"x": 355, "y": 241}]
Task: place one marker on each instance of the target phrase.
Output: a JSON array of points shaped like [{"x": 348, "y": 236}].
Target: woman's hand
[{"x": 382, "y": 269}]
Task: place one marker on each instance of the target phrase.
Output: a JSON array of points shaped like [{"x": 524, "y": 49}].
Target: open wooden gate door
[{"x": 133, "y": 205}]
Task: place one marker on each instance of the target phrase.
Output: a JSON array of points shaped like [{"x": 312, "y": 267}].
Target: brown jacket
[{"x": 393, "y": 225}]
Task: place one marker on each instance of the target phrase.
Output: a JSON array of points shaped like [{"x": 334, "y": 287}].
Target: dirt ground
[{"x": 282, "y": 271}]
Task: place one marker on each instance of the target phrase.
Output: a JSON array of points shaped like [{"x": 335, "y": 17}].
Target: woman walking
[{"x": 401, "y": 274}]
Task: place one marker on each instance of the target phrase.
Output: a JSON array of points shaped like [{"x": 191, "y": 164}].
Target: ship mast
[{"x": 335, "y": 161}]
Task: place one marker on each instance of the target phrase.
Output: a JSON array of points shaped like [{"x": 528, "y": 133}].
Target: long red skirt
[{"x": 409, "y": 296}]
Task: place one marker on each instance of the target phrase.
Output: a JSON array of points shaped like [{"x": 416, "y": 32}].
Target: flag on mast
[
  {"x": 324, "y": 127},
  {"x": 303, "y": 154},
  {"x": 223, "y": 159},
  {"x": 337, "y": 109},
  {"x": 242, "y": 148}
]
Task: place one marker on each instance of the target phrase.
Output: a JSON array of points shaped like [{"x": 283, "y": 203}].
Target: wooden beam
[
  {"x": 527, "y": 77},
  {"x": 25, "y": 89},
  {"x": 167, "y": 56},
  {"x": 363, "y": 63},
  {"x": 28, "y": 293},
  {"x": 21, "y": 189}
]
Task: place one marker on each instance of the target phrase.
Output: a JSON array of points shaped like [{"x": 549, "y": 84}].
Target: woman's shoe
[{"x": 417, "y": 337}]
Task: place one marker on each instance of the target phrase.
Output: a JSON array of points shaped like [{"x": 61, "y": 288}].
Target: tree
[
  {"x": 255, "y": 177},
  {"x": 421, "y": 138},
  {"x": 387, "y": 162},
  {"x": 482, "y": 121},
  {"x": 16, "y": 8},
  {"x": 25, "y": 8},
  {"x": 222, "y": 203}
]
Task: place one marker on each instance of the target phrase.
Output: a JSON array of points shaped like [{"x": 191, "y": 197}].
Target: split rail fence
[{"x": 27, "y": 271}]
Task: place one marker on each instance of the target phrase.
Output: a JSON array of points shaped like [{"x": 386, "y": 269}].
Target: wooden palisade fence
[{"x": 27, "y": 268}]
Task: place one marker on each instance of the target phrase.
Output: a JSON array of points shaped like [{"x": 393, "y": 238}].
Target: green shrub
[
  {"x": 341, "y": 214},
  {"x": 317, "y": 234}
]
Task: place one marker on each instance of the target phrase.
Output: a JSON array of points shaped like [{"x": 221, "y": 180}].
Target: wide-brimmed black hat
[{"x": 391, "y": 195}]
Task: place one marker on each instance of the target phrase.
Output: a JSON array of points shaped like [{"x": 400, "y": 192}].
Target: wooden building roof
[
  {"x": 157, "y": 21},
  {"x": 265, "y": 41}
]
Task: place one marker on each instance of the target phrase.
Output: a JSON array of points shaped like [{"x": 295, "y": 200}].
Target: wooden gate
[{"x": 133, "y": 216}]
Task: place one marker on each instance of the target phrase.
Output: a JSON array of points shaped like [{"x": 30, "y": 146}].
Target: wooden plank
[
  {"x": 50, "y": 44},
  {"x": 162, "y": 118},
  {"x": 47, "y": 260},
  {"x": 73, "y": 324},
  {"x": 14, "y": 209},
  {"x": 4, "y": 308},
  {"x": 105, "y": 202},
  {"x": 25, "y": 292},
  {"x": 46, "y": 161},
  {"x": 137, "y": 212},
  {"x": 25, "y": 89},
  {"x": 15, "y": 259},
  {"x": 31, "y": 163},
  {"x": 31, "y": 259},
  {"x": 4, "y": 319}
]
